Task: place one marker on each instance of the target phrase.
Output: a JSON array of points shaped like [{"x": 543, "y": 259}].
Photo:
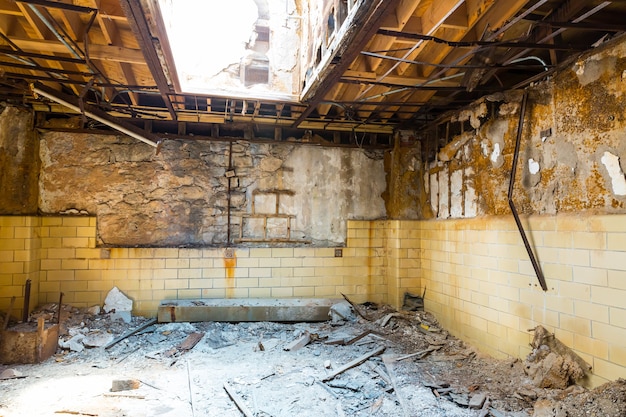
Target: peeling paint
[
  {"x": 618, "y": 181},
  {"x": 434, "y": 194},
  {"x": 444, "y": 193},
  {"x": 450, "y": 150},
  {"x": 470, "y": 197},
  {"x": 533, "y": 166},
  {"x": 456, "y": 194},
  {"x": 496, "y": 156}
]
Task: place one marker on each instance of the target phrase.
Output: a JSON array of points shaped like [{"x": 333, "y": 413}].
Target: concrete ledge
[{"x": 245, "y": 309}]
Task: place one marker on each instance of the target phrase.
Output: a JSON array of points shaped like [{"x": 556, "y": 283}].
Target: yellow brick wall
[
  {"x": 19, "y": 261},
  {"x": 65, "y": 259},
  {"x": 478, "y": 279},
  {"x": 482, "y": 287}
]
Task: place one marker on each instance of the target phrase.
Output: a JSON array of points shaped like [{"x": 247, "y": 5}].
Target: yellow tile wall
[
  {"x": 20, "y": 246},
  {"x": 476, "y": 274},
  {"x": 482, "y": 287},
  {"x": 61, "y": 253}
]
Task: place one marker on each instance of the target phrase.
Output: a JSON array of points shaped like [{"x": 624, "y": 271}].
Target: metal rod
[
  {"x": 95, "y": 117},
  {"x": 54, "y": 31},
  {"x": 35, "y": 67},
  {"x": 471, "y": 44},
  {"x": 59, "y": 5},
  {"x": 531, "y": 255},
  {"x": 26, "y": 301},
  {"x": 561, "y": 30},
  {"x": 447, "y": 66},
  {"x": 230, "y": 167},
  {"x": 60, "y": 307},
  {"x": 7, "y": 51}
]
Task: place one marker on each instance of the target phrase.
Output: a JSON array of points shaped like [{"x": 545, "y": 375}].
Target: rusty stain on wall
[{"x": 230, "y": 265}]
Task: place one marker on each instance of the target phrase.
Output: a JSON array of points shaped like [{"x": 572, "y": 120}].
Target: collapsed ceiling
[{"x": 361, "y": 70}]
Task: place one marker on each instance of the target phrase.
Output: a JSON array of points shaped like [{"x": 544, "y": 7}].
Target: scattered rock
[
  {"x": 93, "y": 310},
  {"x": 543, "y": 408},
  {"x": 11, "y": 374},
  {"x": 551, "y": 364},
  {"x": 124, "y": 385},
  {"x": 476, "y": 401},
  {"x": 98, "y": 339},
  {"x": 75, "y": 343},
  {"x": 342, "y": 312},
  {"x": 118, "y": 305}
]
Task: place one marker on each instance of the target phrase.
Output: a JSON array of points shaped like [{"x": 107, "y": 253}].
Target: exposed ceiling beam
[
  {"x": 96, "y": 114},
  {"x": 137, "y": 21},
  {"x": 98, "y": 52},
  {"x": 352, "y": 44}
]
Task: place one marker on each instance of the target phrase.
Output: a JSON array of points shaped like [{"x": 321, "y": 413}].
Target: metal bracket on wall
[{"x": 531, "y": 255}]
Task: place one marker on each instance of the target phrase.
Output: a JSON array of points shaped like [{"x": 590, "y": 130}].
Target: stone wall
[
  {"x": 279, "y": 193},
  {"x": 19, "y": 163},
  {"x": 573, "y": 147}
]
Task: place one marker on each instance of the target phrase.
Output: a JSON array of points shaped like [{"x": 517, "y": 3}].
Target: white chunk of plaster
[
  {"x": 456, "y": 194},
  {"x": 470, "y": 196},
  {"x": 118, "y": 305},
  {"x": 533, "y": 166},
  {"x": 444, "y": 194},
  {"x": 618, "y": 181},
  {"x": 496, "y": 153},
  {"x": 484, "y": 146},
  {"x": 434, "y": 194}
]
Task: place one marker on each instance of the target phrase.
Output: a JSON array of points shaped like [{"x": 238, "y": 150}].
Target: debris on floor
[
  {"x": 380, "y": 362},
  {"x": 551, "y": 364}
]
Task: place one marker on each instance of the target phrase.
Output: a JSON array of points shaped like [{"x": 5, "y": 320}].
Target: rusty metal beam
[
  {"x": 605, "y": 27},
  {"x": 353, "y": 43},
  {"x": 529, "y": 250},
  {"x": 9, "y": 51},
  {"x": 470, "y": 44},
  {"x": 137, "y": 21},
  {"x": 97, "y": 114},
  {"x": 59, "y": 5}
]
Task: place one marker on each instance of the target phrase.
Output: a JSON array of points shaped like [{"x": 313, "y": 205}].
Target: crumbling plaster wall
[
  {"x": 180, "y": 196},
  {"x": 19, "y": 161},
  {"x": 573, "y": 147}
]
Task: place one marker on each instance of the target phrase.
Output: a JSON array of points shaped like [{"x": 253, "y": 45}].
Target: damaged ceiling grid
[{"x": 306, "y": 72}]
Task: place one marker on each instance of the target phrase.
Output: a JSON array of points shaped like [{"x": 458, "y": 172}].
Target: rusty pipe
[
  {"x": 26, "y": 301},
  {"x": 531, "y": 255}
]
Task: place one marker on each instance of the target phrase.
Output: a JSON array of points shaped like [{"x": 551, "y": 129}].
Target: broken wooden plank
[
  {"x": 356, "y": 309},
  {"x": 299, "y": 343},
  {"x": 359, "y": 337},
  {"x": 130, "y": 333},
  {"x": 420, "y": 354},
  {"x": 354, "y": 363},
  {"x": 122, "y": 395},
  {"x": 385, "y": 320},
  {"x": 388, "y": 361},
  {"x": 184, "y": 346},
  {"x": 382, "y": 374},
  {"x": 238, "y": 401},
  {"x": 329, "y": 389},
  {"x": 75, "y": 413}
]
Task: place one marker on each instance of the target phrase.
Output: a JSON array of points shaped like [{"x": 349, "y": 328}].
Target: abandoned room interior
[{"x": 317, "y": 208}]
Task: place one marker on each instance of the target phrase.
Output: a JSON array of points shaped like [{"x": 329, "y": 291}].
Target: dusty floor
[{"x": 446, "y": 378}]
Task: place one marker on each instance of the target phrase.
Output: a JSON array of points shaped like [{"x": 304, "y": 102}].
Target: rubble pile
[{"x": 367, "y": 360}]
